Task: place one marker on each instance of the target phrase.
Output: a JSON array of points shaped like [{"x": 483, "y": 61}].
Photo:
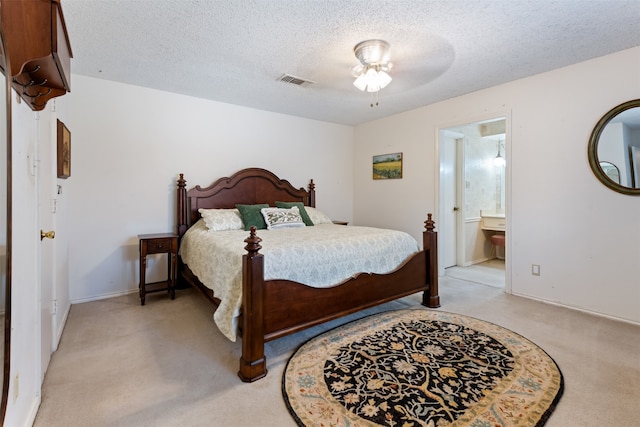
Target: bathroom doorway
[{"x": 473, "y": 201}]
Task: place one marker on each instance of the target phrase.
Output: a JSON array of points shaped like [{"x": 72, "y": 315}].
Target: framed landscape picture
[
  {"x": 387, "y": 166},
  {"x": 64, "y": 151}
]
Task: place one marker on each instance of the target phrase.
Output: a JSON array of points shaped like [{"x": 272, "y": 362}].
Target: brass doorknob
[{"x": 48, "y": 234}]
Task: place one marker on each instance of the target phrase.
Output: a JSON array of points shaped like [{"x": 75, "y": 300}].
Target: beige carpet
[
  {"x": 491, "y": 273},
  {"x": 165, "y": 364}
]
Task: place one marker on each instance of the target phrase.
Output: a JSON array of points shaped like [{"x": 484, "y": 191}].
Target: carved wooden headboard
[{"x": 248, "y": 186}]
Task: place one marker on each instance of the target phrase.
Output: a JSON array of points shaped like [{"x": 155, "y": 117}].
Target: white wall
[
  {"x": 585, "y": 237},
  {"x": 128, "y": 145}
]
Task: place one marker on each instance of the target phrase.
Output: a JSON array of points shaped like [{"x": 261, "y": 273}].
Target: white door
[
  {"x": 45, "y": 187},
  {"x": 451, "y": 245},
  {"x": 449, "y": 210}
]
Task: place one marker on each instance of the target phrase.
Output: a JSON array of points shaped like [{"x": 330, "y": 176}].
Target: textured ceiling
[{"x": 233, "y": 51}]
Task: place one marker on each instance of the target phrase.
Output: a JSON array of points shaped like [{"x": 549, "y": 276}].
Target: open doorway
[{"x": 473, "y": 201}]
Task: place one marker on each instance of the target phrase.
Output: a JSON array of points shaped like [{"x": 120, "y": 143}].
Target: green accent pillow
[
  {"x": 252, "y": 216},
  {"x": 303, "y": 213}
]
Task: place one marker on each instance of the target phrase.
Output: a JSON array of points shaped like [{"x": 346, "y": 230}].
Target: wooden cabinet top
[{"x": 38, "y": 48}]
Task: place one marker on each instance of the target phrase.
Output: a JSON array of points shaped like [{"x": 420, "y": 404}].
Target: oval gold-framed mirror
[{"x": 615, "y": 143}]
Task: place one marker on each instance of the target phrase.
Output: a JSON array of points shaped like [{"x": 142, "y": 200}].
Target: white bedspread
[{"x": 320, "y": 256}]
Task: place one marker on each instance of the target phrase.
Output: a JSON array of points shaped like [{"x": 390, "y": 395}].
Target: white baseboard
[
  {"x": 31, "y": 416},
  {"x": 61, "y": 326},
  {"x": 583, "y": 310},
  {"x": 104, "y": 296}
]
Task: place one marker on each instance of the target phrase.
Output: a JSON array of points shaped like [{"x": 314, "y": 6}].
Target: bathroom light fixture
[
  {"x": 499, "y": 160},
  {"x": 372, "y": 72}
]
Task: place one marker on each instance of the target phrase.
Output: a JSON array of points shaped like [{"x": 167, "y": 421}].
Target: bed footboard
[{"x": 275, "y": 308}]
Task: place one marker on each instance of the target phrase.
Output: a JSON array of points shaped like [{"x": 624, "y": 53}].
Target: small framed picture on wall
[
  {"x": 64, "y": 151},
  {"x": 387, "y": 166}
]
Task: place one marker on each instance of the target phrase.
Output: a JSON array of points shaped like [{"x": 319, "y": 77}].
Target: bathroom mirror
[
  {"x": 5, "y": 225},
  {"x": 614, "y": 148}
]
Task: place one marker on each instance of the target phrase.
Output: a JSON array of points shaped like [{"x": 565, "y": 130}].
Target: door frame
[{"x": 459, "y": 163}]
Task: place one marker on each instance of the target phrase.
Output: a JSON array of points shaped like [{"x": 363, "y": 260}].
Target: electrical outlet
[
  {"x": 16, "y": 387},
  {"x": 535, "y": 269}
]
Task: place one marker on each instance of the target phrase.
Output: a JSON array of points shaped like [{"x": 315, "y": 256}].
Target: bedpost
[
  {"x": 253, "y": 363},
  {"x": 430, "y": 245},
  {"x": 312, "y": 194},
  {"x": 182, "y": 206}
]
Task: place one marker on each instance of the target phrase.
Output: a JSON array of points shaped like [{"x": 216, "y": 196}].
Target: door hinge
[{"x": 54, "y": 307}]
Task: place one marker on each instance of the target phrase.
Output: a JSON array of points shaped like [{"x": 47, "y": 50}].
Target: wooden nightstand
[
  {"x": 160, "y": 243},
  {"x": 341, "y": 222}
]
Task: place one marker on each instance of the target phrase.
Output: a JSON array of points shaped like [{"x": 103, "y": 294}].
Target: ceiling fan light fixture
[{"x": 371, "y": 74}]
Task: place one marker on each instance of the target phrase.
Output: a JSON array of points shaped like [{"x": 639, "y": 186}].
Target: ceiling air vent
[{"x": 298, "y": 81}]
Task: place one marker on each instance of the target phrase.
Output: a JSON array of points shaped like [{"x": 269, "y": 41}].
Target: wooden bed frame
[{"x": 275, "y": 308}]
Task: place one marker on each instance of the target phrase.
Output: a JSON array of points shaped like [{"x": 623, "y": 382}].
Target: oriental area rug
[{"x": 419, "y": 367}]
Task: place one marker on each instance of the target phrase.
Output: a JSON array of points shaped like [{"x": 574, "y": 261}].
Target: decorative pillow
[
  {"x": 318, "y": 217},
  {"x": 221, "y": 219},
  {"x": 251, "y": 216},
  {"x": 282, "y": 218},
  {"x": 300, "y": 206}
]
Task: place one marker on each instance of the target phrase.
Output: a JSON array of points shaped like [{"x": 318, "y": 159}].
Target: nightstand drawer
[{"x": 159, "y": 246}]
